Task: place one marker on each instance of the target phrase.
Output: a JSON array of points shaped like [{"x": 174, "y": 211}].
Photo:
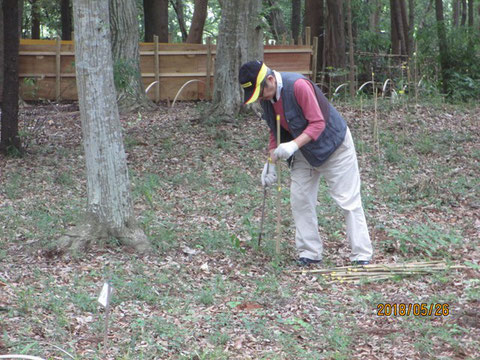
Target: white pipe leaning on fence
[{"x": 179, "y": 91}]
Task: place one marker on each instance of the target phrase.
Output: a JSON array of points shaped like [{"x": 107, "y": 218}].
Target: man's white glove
[
  {"x": 285, "y": 150},
  {"x": 269, "y": 175}
]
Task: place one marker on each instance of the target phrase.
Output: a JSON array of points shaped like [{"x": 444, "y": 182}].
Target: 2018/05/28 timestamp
[{"x": 415, "y": 309}]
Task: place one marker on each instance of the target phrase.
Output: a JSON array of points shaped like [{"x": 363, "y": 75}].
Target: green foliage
[{"x": 427, "y": 239}]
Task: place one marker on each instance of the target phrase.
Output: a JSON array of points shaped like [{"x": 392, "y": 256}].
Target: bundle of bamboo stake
[{"x": 373, "y": 272}]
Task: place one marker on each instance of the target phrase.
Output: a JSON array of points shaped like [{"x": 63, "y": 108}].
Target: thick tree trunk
[
  {"x": 464, "y": 12},
  {"x": 399, "y": 40},
  {"x": 315, "y": 19},
  {"x": 178, "y": 7},
  {"x": 110, "y": 210},
  {"x": 275, "y": 19},
  {"x": 35, "y": 31},
  {"x": 442, "y": 44},
  {"x": 10, "y": 139},
  {"x": 335, "y": 42},
  {"x": 156, "y": 20},
  {"x": 124, "y": 30},
  {"x": 198, "y": 22},
  {"x": 296, "y": 19},
  {"x": 238, "y": 41},
  {"x": 66, "y": 17}
]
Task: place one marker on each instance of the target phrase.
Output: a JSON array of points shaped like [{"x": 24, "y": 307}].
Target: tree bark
[
  {"x": 275, "y": 20},
  {"x": 124, "y": 31},
  {"x": 296, "y": 19},
  {"x": 335, "y": 46},
  {"x": 442, "y": 44},
  {"x": 351, "y": 74},
  {"x": 399, "y": 43},
  {"x": 470, "y": 13},
  {"x": 198, "y": 22},
  {"x": 1, "y": 50},
  {"x": 411, "y": 26},
  {"x": 109, "y": 209},
  {"x": 375, "y": 16},
  {"x": 35, "y": 32},
  {"x": 178, "y": 7},
  {"x": 315, "y": 19},
  {"x": 238, "y": 41},
  {"x": 156, "y": 20},
  {"x": 455, "y": 7},
  {"x": 464, "y": 12},
  {"x": 66, "y": 18},
  {"x": 10, "y": 140}
]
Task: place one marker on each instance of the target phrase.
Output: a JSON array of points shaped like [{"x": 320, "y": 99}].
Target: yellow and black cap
[{"x": 251, "y": 76}]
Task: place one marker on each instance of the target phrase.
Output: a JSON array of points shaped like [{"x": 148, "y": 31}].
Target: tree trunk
[
  {"x": 35, "y": 33},
  {"x": 455, "y": 6},
  {"x": 411, "y": 26},
  {"x": 464, "y": 12},
  {"x": 1, "y": 51},
  {"x": 470, "y": 13},
  {"x": 296, "y": 19},
  {"x": 66, "y": 16},
  {"x": 442, "y": 44},
  {"x": 10, "y": 140},
  {"x": 315, "y": 19},
  {"x": 351, "y": 74},
  {"x": 178, "y": 7},
  {"x": 156, "y": 20},
  {"x": 398, "y": 30},
  {"x": 275, "y": 20},
  {"x": 109, "y": 209},
  {"x": 198, "y": 22},
  {"x": 335, "y": 42},
  {"x": 375, "y": 16},
  {"x": 124, "y": 31},
  {"x": 238, "y": 41}
]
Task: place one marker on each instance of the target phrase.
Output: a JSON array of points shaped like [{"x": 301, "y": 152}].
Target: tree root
[{"x": 79, "y": 238}]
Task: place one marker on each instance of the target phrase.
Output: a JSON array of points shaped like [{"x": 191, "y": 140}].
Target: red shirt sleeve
[{"x": 306, "y": 98}]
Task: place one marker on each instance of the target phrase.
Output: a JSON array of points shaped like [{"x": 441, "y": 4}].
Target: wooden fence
[{"x": 47, "y": 68}]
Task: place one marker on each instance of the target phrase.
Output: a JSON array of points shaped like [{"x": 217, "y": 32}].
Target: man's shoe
[
  {"x": 360, "y": 262},
  {"x": 303, "y": 261}
]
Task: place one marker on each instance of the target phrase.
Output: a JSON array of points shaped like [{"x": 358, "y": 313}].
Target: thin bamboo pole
[
  {"x": 157, "y": 69},
  {"x": 279, "y": 191},
  {"x": 314, "y": 59}
]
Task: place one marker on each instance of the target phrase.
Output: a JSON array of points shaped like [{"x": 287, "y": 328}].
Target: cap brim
[{"x": 252, "y": 95}]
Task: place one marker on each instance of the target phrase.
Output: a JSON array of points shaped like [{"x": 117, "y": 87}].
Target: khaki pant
[{"x": 343, "y": 179}]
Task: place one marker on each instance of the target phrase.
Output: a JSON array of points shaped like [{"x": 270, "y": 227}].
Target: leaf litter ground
[{"x": 207, "y": 291}]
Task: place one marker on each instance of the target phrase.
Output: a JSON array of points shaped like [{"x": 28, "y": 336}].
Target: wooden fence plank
[{"x": 50, "y": 66}]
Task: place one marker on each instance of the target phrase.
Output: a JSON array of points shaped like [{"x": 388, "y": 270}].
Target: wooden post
[
  {"x": 209, "y": 69},
  {"x": 58, "y": 49},
  {"x": 157, "y": 69},
  {"x": 284, "y": 39},
  {"x": 300, "y": 40},
  {"x": 314, "y": 59},
  {"x": 308, "y": 36}
]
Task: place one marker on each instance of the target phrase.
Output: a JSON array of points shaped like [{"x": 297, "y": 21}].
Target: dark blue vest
[{"x": 316, "y": 152}]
